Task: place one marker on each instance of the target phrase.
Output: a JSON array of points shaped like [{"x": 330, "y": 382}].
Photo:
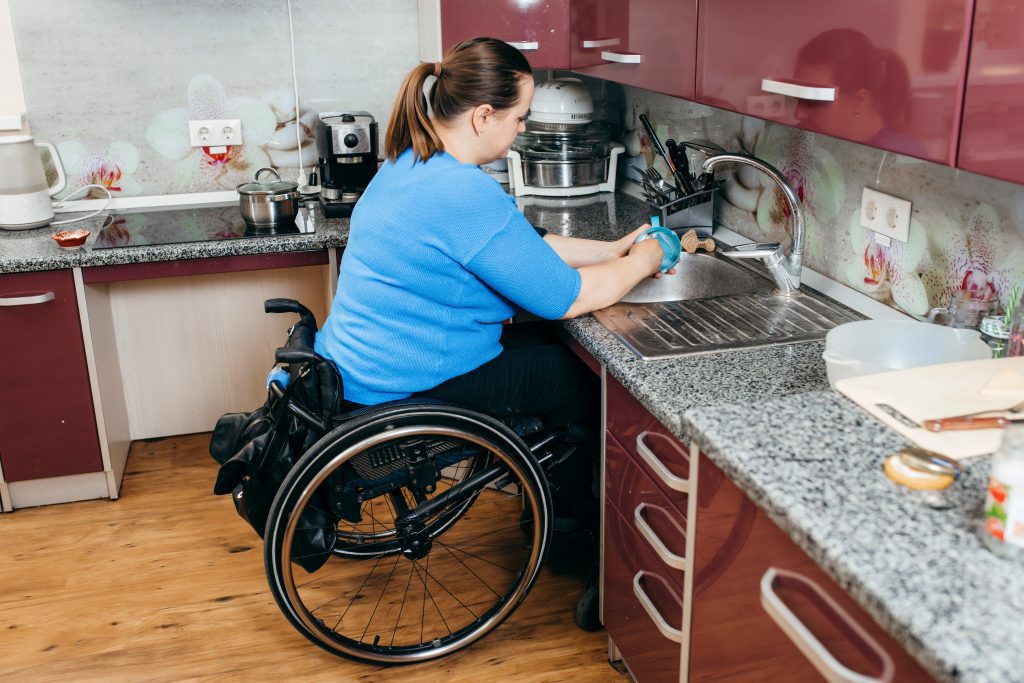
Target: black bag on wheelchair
[{"x": 256, "y": 450}]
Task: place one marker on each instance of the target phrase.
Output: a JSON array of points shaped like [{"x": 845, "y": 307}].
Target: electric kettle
[{"x": 24, "y": 192}]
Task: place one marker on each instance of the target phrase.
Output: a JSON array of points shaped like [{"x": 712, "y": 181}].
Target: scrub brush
[{"x": 691, "y": 243}]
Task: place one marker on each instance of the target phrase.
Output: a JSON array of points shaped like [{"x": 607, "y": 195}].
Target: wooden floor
[{"x": 167, "y": 584}]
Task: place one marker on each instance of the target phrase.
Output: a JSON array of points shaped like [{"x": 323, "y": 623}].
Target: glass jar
[
  {"x": 994, "y": 332},
  {"x": 1004, "y": 500}
]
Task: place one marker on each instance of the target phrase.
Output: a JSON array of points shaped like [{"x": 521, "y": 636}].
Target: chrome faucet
[{"x": 784, "y": 270}]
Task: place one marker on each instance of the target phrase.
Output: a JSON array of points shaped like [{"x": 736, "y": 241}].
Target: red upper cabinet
[
  {"x": 646, "y": 43},
  {"x": 540, "y": 28},
  {"x": 882, "y": 73},
  {"x": 992, "y": 139}
]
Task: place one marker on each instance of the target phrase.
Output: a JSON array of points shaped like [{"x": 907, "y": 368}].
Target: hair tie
[{"x": 437, "y": 69}]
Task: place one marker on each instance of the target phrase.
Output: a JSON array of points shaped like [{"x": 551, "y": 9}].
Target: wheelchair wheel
[{"x": 452, "y": 555}]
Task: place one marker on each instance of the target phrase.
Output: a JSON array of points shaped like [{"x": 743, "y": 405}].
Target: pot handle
[{"x": 267, "y": 168}]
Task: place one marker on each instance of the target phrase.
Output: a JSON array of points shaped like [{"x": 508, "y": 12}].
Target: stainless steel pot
[
  {"x": 269, "y": 203},
  {"x": 565, "y": 173}
]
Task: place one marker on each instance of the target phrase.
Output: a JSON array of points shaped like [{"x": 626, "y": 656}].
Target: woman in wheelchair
[{"x": 411, "y": 451}]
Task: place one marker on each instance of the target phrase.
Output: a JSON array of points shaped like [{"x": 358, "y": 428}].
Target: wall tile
[{"x": 967, "y": 231}]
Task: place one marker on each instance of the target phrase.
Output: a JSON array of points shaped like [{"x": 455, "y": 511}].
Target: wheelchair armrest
[
  {"x": 286, "y": 306},
  {"x": 296, "y": 354}
]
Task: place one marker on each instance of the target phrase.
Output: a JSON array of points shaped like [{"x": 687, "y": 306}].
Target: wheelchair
[{"x": 394, "y": 533}]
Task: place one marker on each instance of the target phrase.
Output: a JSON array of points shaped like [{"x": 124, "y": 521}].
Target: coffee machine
[{"x": 346, "y": 144}]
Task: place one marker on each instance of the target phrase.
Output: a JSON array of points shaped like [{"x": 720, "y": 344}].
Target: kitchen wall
[
  {"x": 966, "y": 232},
  {"x": 12, "y": 101},
  {"x": 113, "y": 83}
]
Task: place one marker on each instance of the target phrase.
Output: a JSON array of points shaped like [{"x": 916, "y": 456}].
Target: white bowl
[{"x": 867, "y": 347}]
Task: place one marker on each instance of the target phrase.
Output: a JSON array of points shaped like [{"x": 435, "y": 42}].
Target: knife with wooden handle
[{"x": 948, "y": 424}]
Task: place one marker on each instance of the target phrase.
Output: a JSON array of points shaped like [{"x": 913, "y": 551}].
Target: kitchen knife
[{"x": 948, "y": 424}]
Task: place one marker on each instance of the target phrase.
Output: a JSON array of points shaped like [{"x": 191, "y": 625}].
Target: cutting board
[{"x": 946, "y": 390}]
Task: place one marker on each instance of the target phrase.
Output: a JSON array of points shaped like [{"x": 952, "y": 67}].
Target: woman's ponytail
[
  {"x": 474, "y": 72},
  {"x": 410, "y": 124}
]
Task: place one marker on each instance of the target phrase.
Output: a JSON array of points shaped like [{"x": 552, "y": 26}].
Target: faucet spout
[{"x": 788, "y": 276}]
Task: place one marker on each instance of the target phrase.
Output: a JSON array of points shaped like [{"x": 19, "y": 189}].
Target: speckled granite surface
[
  {"x": 813, "y": 462},
  {"x": 26, "y": 250}
]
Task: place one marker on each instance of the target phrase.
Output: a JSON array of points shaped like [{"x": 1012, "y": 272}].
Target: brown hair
[
  {"x": 474, "y": 72},
  {"x": 857, "y": 64}
]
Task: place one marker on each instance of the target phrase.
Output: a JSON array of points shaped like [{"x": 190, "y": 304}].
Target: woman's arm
[
  {"x": 579, "y": 252},
  {"x": 606, "y": 283}
]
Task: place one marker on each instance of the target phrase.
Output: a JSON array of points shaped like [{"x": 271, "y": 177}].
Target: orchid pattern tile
[
  {"x": 966, "y": 232},
  {"x": 111, "y": 77}
]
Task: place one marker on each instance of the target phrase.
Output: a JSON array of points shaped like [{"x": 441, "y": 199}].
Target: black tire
[{"x": 483, "y": 564}]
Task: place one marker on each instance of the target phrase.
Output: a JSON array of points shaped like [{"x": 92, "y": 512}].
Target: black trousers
[{"x": 537, "y": 375}]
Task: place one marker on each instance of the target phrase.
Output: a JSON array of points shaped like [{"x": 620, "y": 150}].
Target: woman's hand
[
  {"x": 652, "y": 251},
  {"x": 623, "y": 244}
]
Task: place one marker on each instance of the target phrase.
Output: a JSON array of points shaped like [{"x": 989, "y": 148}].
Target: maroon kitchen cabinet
[
  {"x": 746, "y": 567},
  {"x": 646, "y": 43},
  {"x": 886, "y": 74},
  {"x": 47, "y": 424},
  {"x": 644, "y": 541},
  {"x": 540, "y": 29},
  {"x": 992, "y": 137}
]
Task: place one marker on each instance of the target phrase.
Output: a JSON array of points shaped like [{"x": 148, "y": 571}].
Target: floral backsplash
[
  {"x": 966, "y": 230},
  {"x": 114, "y": 84}
]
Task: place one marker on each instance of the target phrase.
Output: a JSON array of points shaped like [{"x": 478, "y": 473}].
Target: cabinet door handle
[
  {"x": 622, "y": 57},
  {"x": 673, "y": 634},
  {"x": 666, "y": 555},
  {"x": 812, "y": 648},
  {"x": 29, "y": 300},
  {"x": 603, "y": 42},
  {"x": 524, "y": 45},
  {"x": 799, "y": 90},
  {"x": 672, "y": 481}
]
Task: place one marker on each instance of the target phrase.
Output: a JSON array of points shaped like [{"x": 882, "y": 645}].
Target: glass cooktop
[{"x": 176, "y": 226}]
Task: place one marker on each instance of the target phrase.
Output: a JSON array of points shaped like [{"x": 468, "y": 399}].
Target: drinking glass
[{"x": 965, "y": 310}]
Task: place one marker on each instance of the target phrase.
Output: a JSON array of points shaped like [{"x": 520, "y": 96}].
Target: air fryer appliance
[
  {"x": 563, "y": 152},
  {"x": 346, "y": 144}
]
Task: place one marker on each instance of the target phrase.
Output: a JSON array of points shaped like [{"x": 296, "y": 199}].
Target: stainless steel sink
[
  {"x": 698, "y": 276},
  {"x": 712, "y": 304}
]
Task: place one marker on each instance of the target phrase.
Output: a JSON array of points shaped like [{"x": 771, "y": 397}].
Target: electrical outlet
[
  {"x": 215, "y": 133},
  {"x": 885, "y": 214},
  {"x": 766, "y": 105}
]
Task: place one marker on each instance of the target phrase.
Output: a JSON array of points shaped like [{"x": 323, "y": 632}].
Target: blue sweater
[{"x": 438, "y": 256}]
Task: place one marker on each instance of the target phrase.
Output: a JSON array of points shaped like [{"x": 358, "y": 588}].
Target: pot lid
[{"x": 267, "y": 186}]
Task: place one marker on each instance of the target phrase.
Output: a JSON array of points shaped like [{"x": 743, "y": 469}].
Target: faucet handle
[{"x": 751, "y": 250}]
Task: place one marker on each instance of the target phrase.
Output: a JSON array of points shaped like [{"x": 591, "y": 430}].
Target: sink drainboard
[{"x": 678, "y": 328}]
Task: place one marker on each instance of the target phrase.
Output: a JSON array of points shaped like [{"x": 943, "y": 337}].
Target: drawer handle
[
  {"x": 666, "y": 555},
  {"x": 811, "y": 647},
  {"x": 673, "y": 634},
  {"x": 798, "y": 90},
  {"x": 604, "y": 42},
  {"x": 672, "y": 481},
  {"x": 524, "y": 45},
  {"x": 622, "y": 57},
  {"x": 29, "y": 300}
]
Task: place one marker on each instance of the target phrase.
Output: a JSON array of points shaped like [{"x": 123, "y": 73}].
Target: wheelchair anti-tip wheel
[{"x": 444, "y": 523}]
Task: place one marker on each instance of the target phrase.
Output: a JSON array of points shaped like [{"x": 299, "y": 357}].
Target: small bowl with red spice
[{"x": 71, "y": 239}]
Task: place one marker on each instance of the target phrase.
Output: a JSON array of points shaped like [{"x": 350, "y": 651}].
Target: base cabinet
[
  {"x": 47, "y": 424},
  {"x": 764, "y": 611}
]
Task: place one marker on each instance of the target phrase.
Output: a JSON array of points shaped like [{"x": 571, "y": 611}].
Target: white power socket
[
  {"x": 215, "y": 133},
  {"x": 885, "y": 214}
]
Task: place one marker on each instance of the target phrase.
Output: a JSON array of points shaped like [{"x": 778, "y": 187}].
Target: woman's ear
[{"x": 481, "y": 118}]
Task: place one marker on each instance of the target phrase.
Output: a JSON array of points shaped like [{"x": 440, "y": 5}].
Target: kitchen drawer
[
  {"x": 661, "y": 524},
  {"x": 757, "y": 597},
  {"x": 643, "y": 603},
  {"x": 661, "y": 455}
]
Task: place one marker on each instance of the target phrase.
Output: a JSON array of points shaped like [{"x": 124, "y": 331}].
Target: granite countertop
[
  {"x": 27, "y": 250},
  {"x": 922, "y": 573}
]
